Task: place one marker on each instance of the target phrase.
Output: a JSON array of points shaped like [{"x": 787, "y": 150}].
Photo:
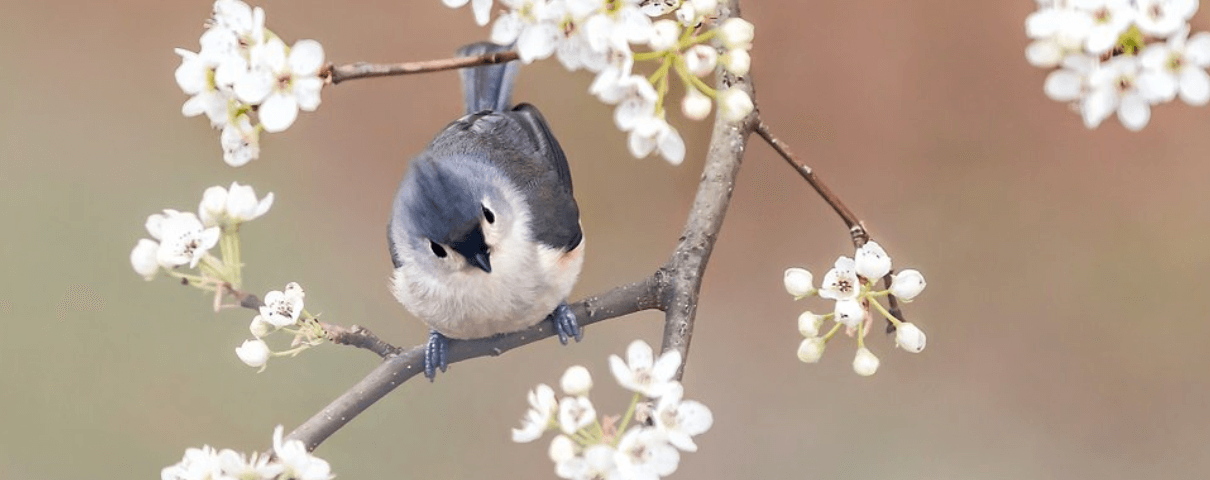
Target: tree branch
[
  {"x": 336, "y": 74},
  {"x": 360, "y": 337}
]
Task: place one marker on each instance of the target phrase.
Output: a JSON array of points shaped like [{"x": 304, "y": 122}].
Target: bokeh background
[{"x": 1065, "y": 319}]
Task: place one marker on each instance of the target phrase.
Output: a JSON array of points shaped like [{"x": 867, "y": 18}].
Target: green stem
[
  {"x": 689, "y": 42},
  {"x": 831, "y": 333},
  {"x": 634, "y": 401},
  {"x": 645, "y": 56},
  {"x": 212, "y": 267},
  {"x": 236, "y": 264},
  {"x": 885, "y": 313},
  {"x": 861, "y": 334}
]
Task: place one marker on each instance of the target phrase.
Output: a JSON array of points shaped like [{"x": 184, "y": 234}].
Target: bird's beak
[{"x": 481, "y": 260}]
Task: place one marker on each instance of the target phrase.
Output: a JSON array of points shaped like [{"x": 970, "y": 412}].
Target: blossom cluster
[
  {"x": 682, "y": 36},
  {"x": 1120, "y": 56},
  {"x": 282, "y": 311},
  {"x": 851, "y": 284},
  {"x": 593, "y": 447},
  {"x": 244, "y": 72},
  {"x": 184, "y": 238},
  {"x": 290, "y": 461}
]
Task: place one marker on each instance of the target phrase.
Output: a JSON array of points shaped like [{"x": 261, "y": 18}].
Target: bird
[{"x": 485, "y": 233}]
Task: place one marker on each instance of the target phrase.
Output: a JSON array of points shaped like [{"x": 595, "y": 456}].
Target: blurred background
[{"x": 1063, "y": 264}]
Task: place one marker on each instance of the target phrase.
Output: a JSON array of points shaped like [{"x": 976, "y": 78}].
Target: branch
[
  {"x": 856, "y": 227},
  {"x": 360, "y": 337},
  {"x": 336, "y": 74}
]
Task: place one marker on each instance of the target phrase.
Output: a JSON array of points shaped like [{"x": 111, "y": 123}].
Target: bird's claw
[
  {"x": 435, "y": 354},
  {"x": 566, "y": 324}
]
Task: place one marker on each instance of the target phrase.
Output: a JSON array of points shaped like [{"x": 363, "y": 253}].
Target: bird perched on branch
[{"x": 485, "y": 233}]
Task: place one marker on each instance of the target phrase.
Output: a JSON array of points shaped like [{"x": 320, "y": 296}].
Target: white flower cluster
[
  {"x": 597, "y": 35},
  {"x": 183, "y": 238},
  {"x": 290, "y": 461},
  {"x": 1119, "y": 56},
  {"x": 282, "y": 310},
  {"x": 589, "y": 447},
  {"x": 851, "y": 284},
  {"x": 243, "y": 70}
]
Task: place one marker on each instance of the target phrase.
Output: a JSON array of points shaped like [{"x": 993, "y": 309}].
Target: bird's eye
[
  {"x": 488, "y": 215},
  {"x": 438, "y": 250}
]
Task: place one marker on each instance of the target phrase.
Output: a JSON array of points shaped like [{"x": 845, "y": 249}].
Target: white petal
[
  {"x": 278, "y": 112},
  {"x": 253, "y": 353},
  {"x": 537, "y": 42},
  {"x": 666, "y": 366},
  {"x": 143, "y": 258},
  {"x": 306, "y": 92},
  {"x": 264, "y": 205},
  {"x": 1134, "y": 112},
  {"x": 252, "y": 86},
  {"x": 672, "y": 146},
  {"x": 639, "y": 355},
  {"x": 1195, "y": 86},
  {"x": 483, "y": 11},
  {"x": 1197, "y": 50},
  {"x": 1064, "y": 85},
  {"x": 306, "y": 57},
  {"x": 1098, "y": 106},
  {"x": 454, "y": 3},
  {"x": 1044, "y": 53},
  {"x": 506, "y": 29},
  {"x": 213, "y": 207},
  {"x": 191, "y": 74},
  {"x": 1157, "y": 86}
]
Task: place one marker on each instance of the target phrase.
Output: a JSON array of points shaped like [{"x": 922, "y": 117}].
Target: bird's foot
[
  {"x": 435, "y": 354},
  {"x": 566, "y": 324}
]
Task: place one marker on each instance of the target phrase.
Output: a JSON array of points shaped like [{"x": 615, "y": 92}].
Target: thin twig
[
  {"x": 336, "y": 74},
  {"x": 360, "y": 337},
  {"x": 857, "y": 230}
]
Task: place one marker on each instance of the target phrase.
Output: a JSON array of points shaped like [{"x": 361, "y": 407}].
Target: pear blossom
[
  {"x": 734, "y": 104},
  {"x": 254, "y": 353},
  {"x": 849, "y": 312},
  {"x": 644, "y": 453},
  {"x": 481, "y": 8},
  {"x": 1117, "y": 85},
  {"x": 597, "y": 463},
  {"x": 1161, "y": 18},
  {"x": 183, "y": 238},
  {"x": 236, "y": 465},
  {"x": 533, "y": 25},
  {"x": 634, "y": 96},
  {"x": 233, "y": 206},
  {"x": 865, "y": 363},
  {"x": 1110, "y": 20},
  {"x": 640, "y": 373},
  {"x": 656, "y": 8},
  {"x": 575, "y": 413},
  {"x": 195, "y": 76},
  {"x": 197, "y": 464},
  {"x": 811, "y": 349},
  {"x": 664, "y": 34},
  {"x": 909, "y": 337},
  {"x": 700, "y": 60},
  {"x": 799, "y": 282},
  {"x": 652, "y": 134},
  {"x": 687, "y": 15},
  {"x": 543, "y": 406},
  {"x": 841, "y": 282},
  {"x": 871, "y": 261},
  {"x": 562, "y": 449},
  {"x": 298, "y": 463},
  {"x": 695, "y": 105},
  {"x": 1179, "y": 65},
  {"x": 737, "y": 33},
  {"x": 907, "y": 284},
  {"x": 282, "y": 308},
  {"x": 143, "y": 258},
  {"x": 576, "y": 380},
  {"x": 681, "y": 420},
  {"x": 282, "y": 81},
  {"x": 240, "y": 141},
  {"x": 705, "y": 7},
  {"x": 809, "y": 324},
  {"x": 1070, "y": 83}
]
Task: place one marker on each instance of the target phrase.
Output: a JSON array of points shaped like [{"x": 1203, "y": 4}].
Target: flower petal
[
  {"x": 1194, "y": 86},
  {"x": 278, "y": 112},
  {"x": 306, "y": 57}
]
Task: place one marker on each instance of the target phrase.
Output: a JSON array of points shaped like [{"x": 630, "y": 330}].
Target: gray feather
[{"x": 488, "y": 87}]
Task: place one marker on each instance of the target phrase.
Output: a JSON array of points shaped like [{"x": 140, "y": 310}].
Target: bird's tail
[{"x": 489, "y": 87}]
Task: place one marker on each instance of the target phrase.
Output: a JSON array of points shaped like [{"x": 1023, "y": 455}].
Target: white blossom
[
  {"x": 575, "y": 413},
  {"x": 700, "y": 60},
  {"x": 240, "y": 141},
  {"x": 734, "y": 104},
  {"x": 598, "y": 463},
  {"x": 236, "y": 465},
  {"x": 687, "y": 15},
  {"x": 654, "y": 134},
  {"x": 737, "y": 33},
  {"x": 849, "y": 312},
  {"x": 298, "y": 463},
  {"x": 183, "y": 238},
  {"x": 195, "y": 76},
  {"x": 681, "y": 420},
  {"x": 664, "y": 35},
  {"x": 737, "y": 61},
  {"x": 254, "y": 353},
  {"x": 259, "y": 327},
  {"x": 1161, "y": 18},
  {"x": 809, "y": 324},
  {"x": 197, "y": 464},
  {"x": 640, "y": 373},
  {"x": 561, "y": 449},
  {"x": 1110, "y": 18},
  {"x": 282, "y": 308},
  {"x": 143, "y": 258},
  {"x": 799, "y": 282},
  {"x": 644, "y": 453},
  {"x": 576, "y": 380},
  {"x": 1070, "y": 83},
  {"x": 542, "y": 406},
  {"x": 696, "y": 105},
  {"x": 811, "y": 349},
  {"x": 907, "y": 284},
  {"x": 533, "y": 25},
  {"x": 841, "y": 282},
  {"x": 656, "y": 8},
  {"x": 865, "y": 363},
  {"x": 282, "y": 83},
  {"x": 233, "y": 206},
  {"x": 871, "y": 261},
  {"x": 909, "y": 337},
  {"x": 705, "y": 7},
  {"x": 481, "y": 8},
  {"x": 1179, "y": 66}
]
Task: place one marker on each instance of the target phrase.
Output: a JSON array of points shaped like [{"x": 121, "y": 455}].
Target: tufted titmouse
[{"x": 485, "y": 233}]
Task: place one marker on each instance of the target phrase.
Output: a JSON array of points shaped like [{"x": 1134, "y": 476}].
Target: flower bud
[
  {"x": 809, "y": 323},
  {"x": 687, "y": 15},
  {"x": 561, "y": 449},
  {"x": 705, "y": 7},
  {"x": 871, "y": 261},
  {"x": 811, "y": 349},
  {"x": 909, "y": 337},
  {"x": 701, "y": 59},
  {"x": 695, "y": 105},
  {"x": 849, "y": 312},
  {"x": 576, "y": 380},
  {"x": 799, "y": 282},
  {"x": 259, "y": 327},
  {"x": 865, "y": 363},
  {"x": 143, "y": 258},
  {"x": 213, "y": 208},
  {"x": 737, "y": 33},
  {"x": 737, "y": 61},
  {"x": 664, "y": 35},
  {"x": 906, "y": 284},
  {"x": 734, "y": 104},
  {"x": 254, "y": 353}
]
